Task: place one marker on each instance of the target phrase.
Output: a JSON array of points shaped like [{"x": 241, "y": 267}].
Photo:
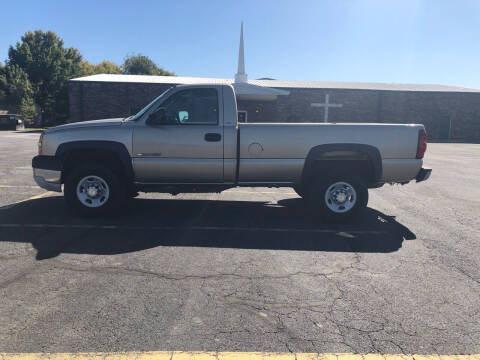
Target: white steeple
[{"x": 240, "y": 76}]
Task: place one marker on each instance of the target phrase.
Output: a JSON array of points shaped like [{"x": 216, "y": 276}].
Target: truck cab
[{"x": 187, "y": 138}]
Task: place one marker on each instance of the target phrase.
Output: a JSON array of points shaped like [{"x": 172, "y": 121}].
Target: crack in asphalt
[
  {"x": 50, "y": 264},
  {"x": 463, "y": 272},
  {"x": 289, "y": 337},
  {"x": 280, "y": 329}
]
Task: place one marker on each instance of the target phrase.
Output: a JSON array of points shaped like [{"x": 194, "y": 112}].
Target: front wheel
[
  {"x": 94, "y": 190},
  {"x": 338, "y": 198}
]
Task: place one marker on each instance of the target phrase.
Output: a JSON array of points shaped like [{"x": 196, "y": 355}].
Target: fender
[
  {"x": 317, "y": 152},
  {"x": 112, "y": 146}
]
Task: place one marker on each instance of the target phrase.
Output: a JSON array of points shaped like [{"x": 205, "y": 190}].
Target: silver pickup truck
[{"x": 188, "y": 140}]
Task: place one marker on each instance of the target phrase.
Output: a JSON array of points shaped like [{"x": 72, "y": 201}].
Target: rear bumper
[
  {"x": 423, "y": 174},
  {"x": 47, "y": 172}
]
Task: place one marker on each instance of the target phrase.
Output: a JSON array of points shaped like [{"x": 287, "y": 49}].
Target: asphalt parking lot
[{"x": 244, "y": 270}]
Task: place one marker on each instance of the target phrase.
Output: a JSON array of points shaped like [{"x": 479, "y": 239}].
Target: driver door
[{"x": 181, "y": 142}]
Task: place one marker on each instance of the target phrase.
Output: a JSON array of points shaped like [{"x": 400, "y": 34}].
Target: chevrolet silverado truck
[{"x": 189, "y": 140}]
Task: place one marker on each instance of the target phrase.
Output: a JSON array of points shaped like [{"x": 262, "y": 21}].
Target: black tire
[
  {"x": 299, "y": 190},
  {"x": 117, "y": 191},
  {"x": 358, "y": 199}
]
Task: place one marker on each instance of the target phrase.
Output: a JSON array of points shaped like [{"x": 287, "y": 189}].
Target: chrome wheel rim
[
  {"x": 340, "y": 197},
  {"x": 93, "y": 191}
]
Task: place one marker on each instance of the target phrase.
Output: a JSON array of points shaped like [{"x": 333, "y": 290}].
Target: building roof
[{"x": 175, "y": 80}]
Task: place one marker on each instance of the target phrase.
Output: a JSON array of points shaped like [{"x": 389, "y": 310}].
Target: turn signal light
[{"x": 422, "y": 144}]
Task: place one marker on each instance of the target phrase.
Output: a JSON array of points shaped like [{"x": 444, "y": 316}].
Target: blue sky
[{"x": 422, "y": 41}]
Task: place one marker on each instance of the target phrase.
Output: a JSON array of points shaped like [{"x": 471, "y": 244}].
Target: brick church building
[{"x": 448, "y": 112}]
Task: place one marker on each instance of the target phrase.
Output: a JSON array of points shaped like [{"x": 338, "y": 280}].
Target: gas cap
[{"x": 255, "y": 148}]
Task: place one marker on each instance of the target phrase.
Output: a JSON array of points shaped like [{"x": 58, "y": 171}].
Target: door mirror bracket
[{"x": 157, "y": 118}]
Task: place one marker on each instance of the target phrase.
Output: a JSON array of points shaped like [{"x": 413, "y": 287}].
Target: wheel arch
[
  {"x": 112, "y": 152},
  {"x": 330, "y": 156}
]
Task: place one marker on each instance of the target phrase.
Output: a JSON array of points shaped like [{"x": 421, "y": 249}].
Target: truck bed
[{"x": 279, "y": 149}]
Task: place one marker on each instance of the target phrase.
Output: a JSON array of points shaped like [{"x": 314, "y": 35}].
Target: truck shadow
[{"x": 286, "y": 225}]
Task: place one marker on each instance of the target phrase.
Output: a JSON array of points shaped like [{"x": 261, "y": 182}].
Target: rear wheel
[
  {"x": 94, "y": 190},
  {"x": 338, "y": 198}
]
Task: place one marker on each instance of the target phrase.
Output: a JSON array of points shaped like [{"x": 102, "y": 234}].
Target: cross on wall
[{"x": 326, "y": 105}]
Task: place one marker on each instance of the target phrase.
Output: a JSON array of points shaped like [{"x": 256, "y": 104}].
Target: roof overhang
[
  {"x": 247, "y": 91},
  {"x": 276, "y": 84}
]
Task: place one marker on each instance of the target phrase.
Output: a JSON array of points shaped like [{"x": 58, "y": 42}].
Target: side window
[{"x": 192, "y": 107}]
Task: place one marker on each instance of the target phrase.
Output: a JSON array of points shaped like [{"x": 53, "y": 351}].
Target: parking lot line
[
  {"x": 18, "y": 187},
  {"x": 343, "y": 232},
  {"x": 210, "y": 355},
  {"x": 39, "y": 196}
]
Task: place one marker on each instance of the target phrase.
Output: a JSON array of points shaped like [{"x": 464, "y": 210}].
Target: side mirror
[
  {"x": 157, "y": 118},
  {"x": 183, "y": 116}
]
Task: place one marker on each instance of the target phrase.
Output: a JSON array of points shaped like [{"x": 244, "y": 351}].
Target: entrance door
[{"x": 187, "y": 145}]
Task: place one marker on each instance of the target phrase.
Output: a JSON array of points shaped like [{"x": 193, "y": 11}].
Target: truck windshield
[{"x": 139, "y": 114}]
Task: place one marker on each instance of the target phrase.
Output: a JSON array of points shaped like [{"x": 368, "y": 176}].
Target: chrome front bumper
[{"x": 48, "y": 179}]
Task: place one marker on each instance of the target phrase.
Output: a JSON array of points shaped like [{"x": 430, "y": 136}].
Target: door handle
[{"x": 213, "y": 137}]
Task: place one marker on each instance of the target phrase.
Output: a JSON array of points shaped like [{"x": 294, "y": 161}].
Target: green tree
[
  {"x": 49, "y": 65},
  {"x": 108, "y": 67},
  {"x": 105, "y": 67},
  {"x": 142, "y": 65},
  {"x": 17, "y": 92},
  {"x": 87, "y": 68}
]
